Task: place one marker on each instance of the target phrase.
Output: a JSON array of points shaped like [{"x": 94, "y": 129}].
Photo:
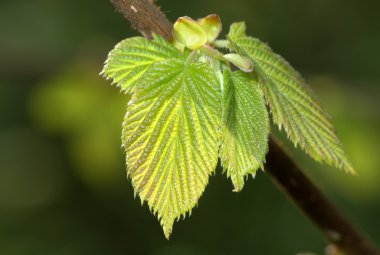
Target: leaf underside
[
  {"x": 170, "y": 135},
  {"x": 292, "y": 103},
  {"x": 131, "y": 58},
  {"x": 245, "y": 127}
]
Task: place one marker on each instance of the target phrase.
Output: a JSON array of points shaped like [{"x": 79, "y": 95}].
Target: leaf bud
[{"x": 243, "y": 63}]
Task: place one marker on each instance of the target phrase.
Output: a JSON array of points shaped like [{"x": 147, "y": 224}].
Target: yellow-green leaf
[
  {"x": 188, "y": 32},
  {"x": 212, "y": 26},
  {"x": 245, "y": 127},
  {"x": 131, "y": 58},
  {"x": 292, "y": 103},
  {"x": 170, "y": 136}
]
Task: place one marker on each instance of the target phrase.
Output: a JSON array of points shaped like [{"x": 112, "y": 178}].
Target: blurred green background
[{"x": 63, "y": 186}]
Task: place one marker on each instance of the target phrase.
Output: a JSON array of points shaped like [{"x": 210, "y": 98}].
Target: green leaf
[
  {"x": 131, "y": 58},
  {"x": 292, "y": 103},
  {"x": 245, "y": 127},
  {"x": 170, "y": 136}
]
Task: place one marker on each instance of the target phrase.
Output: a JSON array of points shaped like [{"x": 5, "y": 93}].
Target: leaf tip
[
  {"x": 349, "y": 169},
  {"x": 237, "y": 189},
  {"x": 238, "y": 183},
  {"x": 167, "y": 227},
  {"x": 167, "y": 234}
]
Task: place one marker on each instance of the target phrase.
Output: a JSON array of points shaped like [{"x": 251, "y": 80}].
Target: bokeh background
[{"x": 63, "y": 186}]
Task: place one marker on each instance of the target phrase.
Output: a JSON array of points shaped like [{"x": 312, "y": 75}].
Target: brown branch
[
  {"x": 305, "y": 194},
  {"x": 147, "y": 18}
]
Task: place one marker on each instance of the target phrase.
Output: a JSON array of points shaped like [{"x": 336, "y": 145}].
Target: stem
[
  {"x": 146, "y": 17},
  {"x": 213, "y": 53}
]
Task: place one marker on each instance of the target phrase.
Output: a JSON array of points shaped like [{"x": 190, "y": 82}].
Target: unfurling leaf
[
  {"x": 131, "y": 58},
  {"x": 245, "y": 127},
  {"x": 292, "y": 103},
  {"x": 212, "y": 26},
  {"x": 170, "y": 136},
  {"x": 188, "y": 32},
  {"x": 179, "y": 46}
]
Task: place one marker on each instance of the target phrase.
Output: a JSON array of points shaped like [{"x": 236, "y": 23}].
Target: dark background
[{"x": 63, "y": 186}]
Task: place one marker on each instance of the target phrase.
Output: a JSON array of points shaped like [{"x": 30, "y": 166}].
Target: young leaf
[
  {"x": 188, "y": 32},
  {"x": 131, "y": 58},
  {"x": 245, "y": 127},
  {"x": 292, "y": 103},
  {"x": 212, "y": 26},
  {"x": 170, "y": 136}
]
